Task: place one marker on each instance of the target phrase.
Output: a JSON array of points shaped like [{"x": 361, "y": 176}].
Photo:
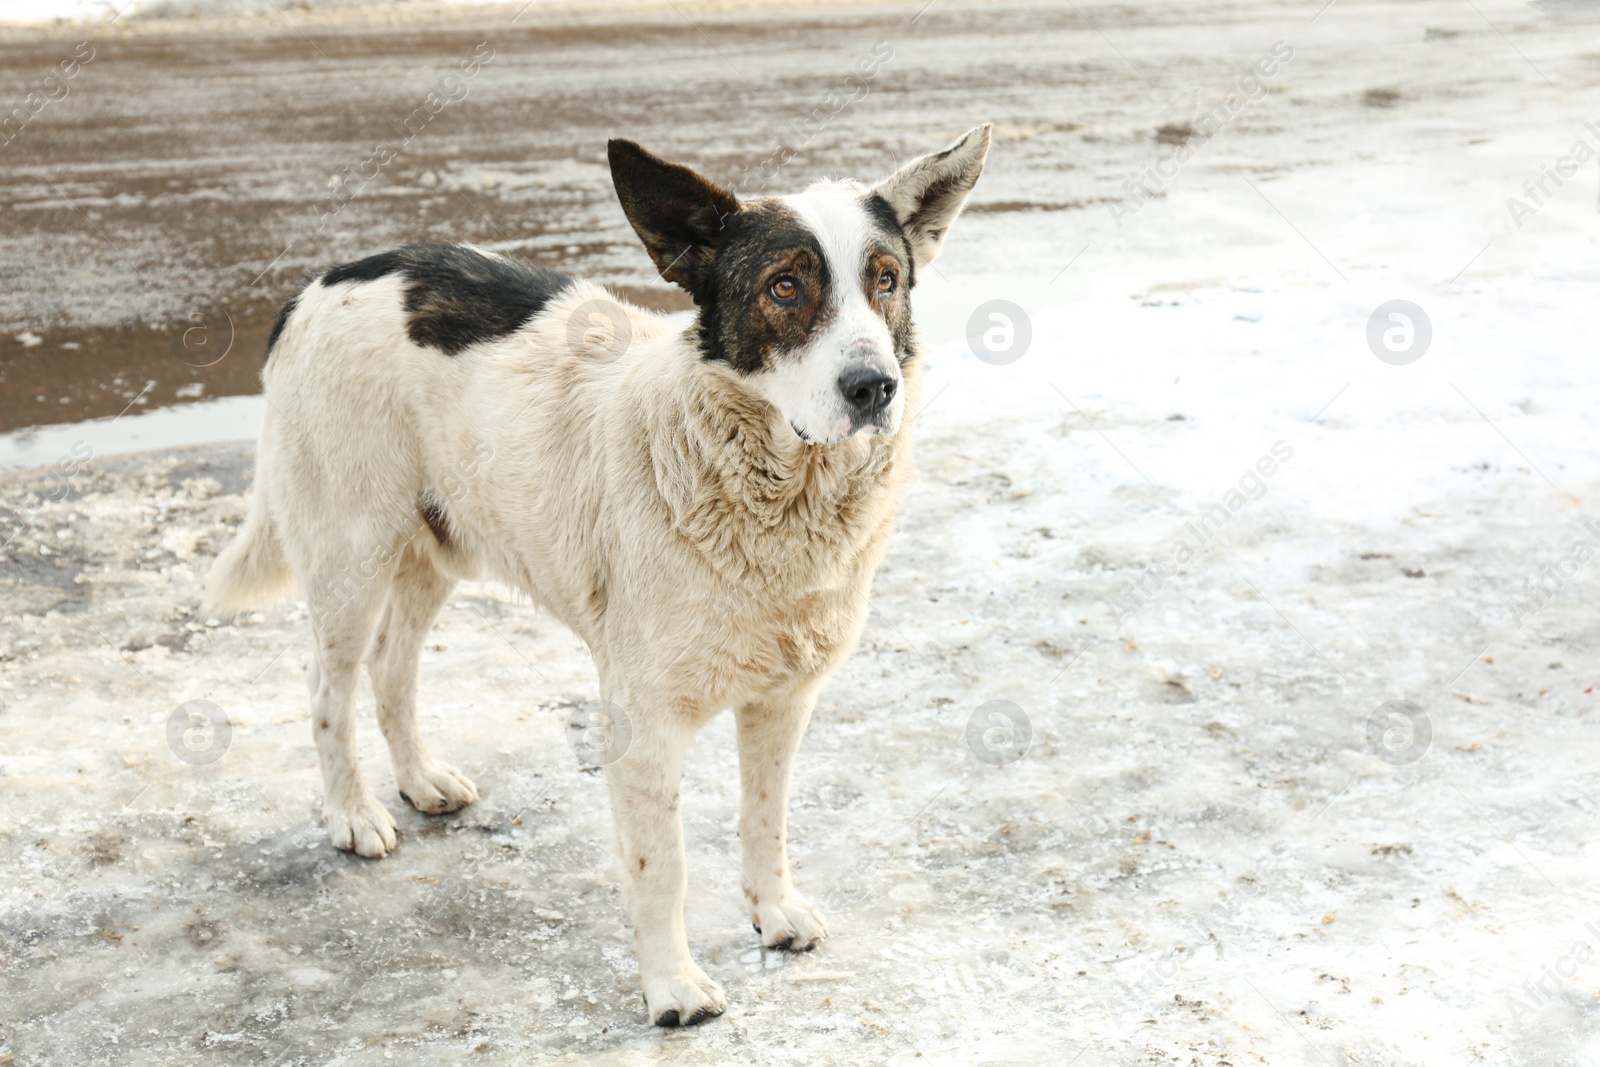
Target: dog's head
[{"x": 807, "y": 297}]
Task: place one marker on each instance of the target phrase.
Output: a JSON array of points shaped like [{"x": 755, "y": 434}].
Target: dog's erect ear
[
  {"x": 927, "y": 194},
  {"x": 676, "y": 213}
]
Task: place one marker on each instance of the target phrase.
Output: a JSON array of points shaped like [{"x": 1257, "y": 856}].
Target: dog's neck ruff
[{"x": 758, "y": 502}]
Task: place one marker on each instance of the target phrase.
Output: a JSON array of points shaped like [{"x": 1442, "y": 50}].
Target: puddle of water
[
  {"x": 231, "y": 418},
  {"x": 68, "y": 376}
]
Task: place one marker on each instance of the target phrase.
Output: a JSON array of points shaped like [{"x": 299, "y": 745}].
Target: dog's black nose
[{"x": 866, "y": 389}]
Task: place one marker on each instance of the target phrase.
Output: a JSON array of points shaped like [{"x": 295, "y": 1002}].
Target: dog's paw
[
  {"x": 437, "y": 788},
  {"x": 686, "y": 998},
  {"x": 364, "y": 827},
  {"x": 790, "y": 922}
]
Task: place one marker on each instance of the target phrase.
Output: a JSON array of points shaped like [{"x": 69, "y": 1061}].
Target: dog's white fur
[{"x": 659, "y": 504}]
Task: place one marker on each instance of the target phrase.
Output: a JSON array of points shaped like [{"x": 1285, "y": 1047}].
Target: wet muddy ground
[
  {"x": 156, "y": 215},
  {"x": 159, "y": 213}
]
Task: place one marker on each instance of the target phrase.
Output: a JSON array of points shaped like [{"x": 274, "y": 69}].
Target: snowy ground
[{"x": 1207, "y": 854}]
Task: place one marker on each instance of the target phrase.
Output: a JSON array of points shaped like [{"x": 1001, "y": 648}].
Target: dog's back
[{"x": 386, "y": 384}]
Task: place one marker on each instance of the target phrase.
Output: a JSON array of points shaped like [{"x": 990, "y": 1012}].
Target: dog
[{"x": 704, "y": 506}]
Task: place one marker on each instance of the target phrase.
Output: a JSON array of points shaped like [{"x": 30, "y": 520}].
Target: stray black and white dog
[{"x": 705, "y": 507}]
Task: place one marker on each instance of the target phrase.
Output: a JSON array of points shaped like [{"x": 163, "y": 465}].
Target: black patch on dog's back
[
  {"x": 281, "y": 321},
  {"x": 457, "y": 297},
  {"x": 372, "y": 268}
]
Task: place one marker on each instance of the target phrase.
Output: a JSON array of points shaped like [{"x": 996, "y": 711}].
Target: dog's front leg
[
  {"x": 769, "y": 737},
  {"x": 644, "y": 801}
]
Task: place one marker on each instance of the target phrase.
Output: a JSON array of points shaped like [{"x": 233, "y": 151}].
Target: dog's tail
[{"x": 252, "y": 570}]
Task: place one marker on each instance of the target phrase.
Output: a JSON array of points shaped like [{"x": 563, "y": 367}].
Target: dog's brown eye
[
  {"x": 886, "y": 282},
  {"x": 785, "y": 290}
]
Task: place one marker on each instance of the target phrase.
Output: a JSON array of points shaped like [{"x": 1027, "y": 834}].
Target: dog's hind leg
[
  {"x": 343, "y": 609},
  {"x": 415, "y": 596},
  {"x": 769, "y": 737}
]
